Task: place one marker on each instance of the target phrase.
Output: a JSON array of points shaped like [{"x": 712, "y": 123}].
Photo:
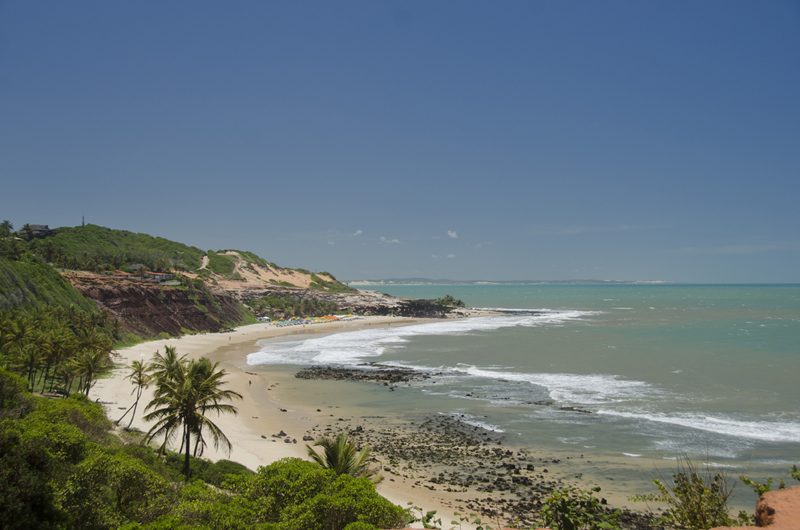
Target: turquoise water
[{"x": 660, "y": 370}]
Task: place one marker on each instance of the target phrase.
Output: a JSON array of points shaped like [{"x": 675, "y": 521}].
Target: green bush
[
  {"x": 696, "y": 501},
  {"x": 575, "y": 509}
]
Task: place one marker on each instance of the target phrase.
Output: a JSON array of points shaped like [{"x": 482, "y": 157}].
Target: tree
[
  {"x": 184, "y": 394},
  {"x": 344, "y": 458},
  {"x": 91, "y": 364},
  {"x": 140, "y": 377},
  {"x": 6, "y": 228},
  {"x": 163, "y": 366}
]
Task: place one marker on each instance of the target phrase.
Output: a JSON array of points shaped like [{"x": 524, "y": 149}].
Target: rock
[{"x": 777, "y": 510}]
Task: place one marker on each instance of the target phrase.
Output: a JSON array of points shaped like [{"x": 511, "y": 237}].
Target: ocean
[{"x": 631, "y": 377}]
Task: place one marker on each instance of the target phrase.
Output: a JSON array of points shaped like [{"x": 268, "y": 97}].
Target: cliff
[{"x": 147, "y": 309}]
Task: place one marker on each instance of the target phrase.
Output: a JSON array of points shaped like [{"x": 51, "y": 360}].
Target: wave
[
  {"x": 767, "y": 431},
  {"x": 593, "y": 389},
  {"x": 358, "y": 346},
  {"x": 469, "y": 419}
]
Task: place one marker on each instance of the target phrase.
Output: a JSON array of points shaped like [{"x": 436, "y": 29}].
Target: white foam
[
  {"x": 593, "y": 389},
  {"x": 769, "y": 431},
  {"x": 472, "y": 421},
  {"x": 357, "y": 346}
]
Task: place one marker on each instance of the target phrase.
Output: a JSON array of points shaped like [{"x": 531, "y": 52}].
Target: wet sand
[{"x": 433, "y": 462}]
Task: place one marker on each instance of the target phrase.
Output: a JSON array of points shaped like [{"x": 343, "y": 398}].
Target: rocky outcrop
[
  {"x": 374, "y": 373},
  {"x": 777, "y": 510},
  {"x": 147, "y": 309},
  {"x": 360, "y": 302}
]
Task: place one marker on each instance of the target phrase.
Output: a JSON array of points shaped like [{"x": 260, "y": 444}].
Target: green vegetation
[
  {"x": 96, "y": 248},
  {"x": 576, "y": 509},
  {"x": 331, "y": 287},
  {"x": 185, "y": 393},
  {"x": 696, "y": 501},
  {"x": 449, "y": 301},
  {"x": 36, "y": 285},
  {"x": 61, "y": 468},
  {"x": 57, "y": 349},
  {"x": 760, "y": 489},
  {"x": 141, "y": 379},
  {"x": 274, "y": 306},
  {"x": 222, "y": 264},
  {"x": 343, "y": 458}
]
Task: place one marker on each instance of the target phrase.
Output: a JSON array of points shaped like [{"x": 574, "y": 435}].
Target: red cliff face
[
  {"x": 777, "y": 510},
  {"x": 148, "y": 309}
]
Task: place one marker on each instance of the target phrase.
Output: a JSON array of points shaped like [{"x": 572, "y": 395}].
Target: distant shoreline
[{"x": 400, "y": 282}]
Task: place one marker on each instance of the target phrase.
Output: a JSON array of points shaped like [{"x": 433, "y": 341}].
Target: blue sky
[{"x": 461, "y": 140}]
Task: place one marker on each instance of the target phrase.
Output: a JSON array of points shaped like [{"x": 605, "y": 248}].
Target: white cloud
[
  {"x": 434, "y": 256},
  {"x": 385, "y": 240},
  {"x": 452, "y": 233},
  {"x": 451, "y": 256},
  {"x": 331, "y": 243},
  {"x": 358, "y": 233}
]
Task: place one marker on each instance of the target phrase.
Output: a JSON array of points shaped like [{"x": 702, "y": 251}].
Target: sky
[{"x": 514, "y": 140}]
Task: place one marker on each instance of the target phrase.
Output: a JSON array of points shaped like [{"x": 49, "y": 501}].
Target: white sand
[{"x": 259, "y": 413}]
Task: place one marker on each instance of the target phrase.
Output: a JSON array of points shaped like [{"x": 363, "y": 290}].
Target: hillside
[
  {"x": 235, "y": 269},
  {"x": 156, "y": 286},
  {"x": 95, "y": 248},
  {"x": 33, "y": 285}
]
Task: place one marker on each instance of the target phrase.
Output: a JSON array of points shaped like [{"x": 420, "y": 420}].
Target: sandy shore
[
  {"x": 274, "y": 401},
  {"x": 262, "y": 412}
]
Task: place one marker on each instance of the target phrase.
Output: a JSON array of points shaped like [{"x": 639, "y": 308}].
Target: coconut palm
[
  {"x": 163, "y": 366},
  {"x": 344, "y": 458},
  {"x": 140, "y": 377},
  {"x": 30, "y": 359},
  {"x": 184, "y": 397},
  {"x": 91, "y": 364}
]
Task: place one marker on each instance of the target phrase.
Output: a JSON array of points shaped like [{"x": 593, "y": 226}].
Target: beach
[
  {"x": 575, "y": 385},
  {"x": 263, "y": 411}
]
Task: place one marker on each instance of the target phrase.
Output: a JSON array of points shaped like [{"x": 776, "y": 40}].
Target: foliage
[
  {"x": 331, "y": 287},
  {"x": 55, "y": 348},
  {"x": 343, "y": 458},
  {"x": 449, "y": 301},
  {"x": 576, "y": 509},
  {"x": 60, "y": 468},
  {"x": 96, "y": 248},
  {"x": 221, "y": 264},
  {"x": 696, "y": 501},
  {"x": 760, "y": 489},
  {"x": 185, "y": 392},
  {"x": 273, "y": 305},
  {"x": 215, "y": 473},
  {"x": 107, "y": 490},
  {"x": 300, "y": 495},
  {"x": 35, "y": 285}
]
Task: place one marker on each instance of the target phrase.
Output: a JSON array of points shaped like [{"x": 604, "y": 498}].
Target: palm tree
[
  {"x": 30, "y": 359},
  {"x": 91, "y": 364},
  {"x": 183, "y": 397},
  {"x": 344, "y": 458},
  {"x": 163, "y": 366},
  {"x": 140, "y": 377}
]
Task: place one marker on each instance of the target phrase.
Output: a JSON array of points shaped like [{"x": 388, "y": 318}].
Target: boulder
[{"x": 777, "y": 510}]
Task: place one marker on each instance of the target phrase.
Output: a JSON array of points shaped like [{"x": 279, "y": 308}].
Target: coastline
[
  {"x": 274, "y": 401},
  {"x": 263, "y": 411}
]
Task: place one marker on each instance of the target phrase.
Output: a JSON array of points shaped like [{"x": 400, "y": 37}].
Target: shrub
[
  {"x": 575, "y": 509},
  {"x": 696, "y": 501}
]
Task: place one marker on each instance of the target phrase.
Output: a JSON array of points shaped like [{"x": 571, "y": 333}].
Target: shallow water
[{"x": 661, "y": 371}]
